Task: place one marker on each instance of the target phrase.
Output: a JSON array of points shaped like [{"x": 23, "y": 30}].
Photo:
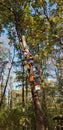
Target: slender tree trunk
[
  {"x": 44, "y": 109},
  {"x": 3, "y": 94},
  {"x": 23, "y": 103},
  {"x": 38, "y": 111},
  {"x": 1, "y": 89},
  {"x": 26, "y": 90}
]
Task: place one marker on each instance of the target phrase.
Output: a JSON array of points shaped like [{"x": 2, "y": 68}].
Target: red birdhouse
[{"x": 24, "y": 52}]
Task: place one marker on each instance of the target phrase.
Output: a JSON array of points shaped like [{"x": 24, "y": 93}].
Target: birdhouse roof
[{"x": 58, "y": 117}]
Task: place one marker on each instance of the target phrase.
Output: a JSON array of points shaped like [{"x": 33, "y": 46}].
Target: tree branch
[
  {"x": 59, "y": 39},
  {"x": 8, "y": 8}
]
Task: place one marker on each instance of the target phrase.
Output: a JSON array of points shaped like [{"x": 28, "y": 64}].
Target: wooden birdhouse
[
  {"x": 36, "y": 81},
  {"x": 37, "y": 88},
  {"x": 28, "y": 67},
  {"x": 31, "y": 78},
  {"x": 25, "y": 52},
  {"x": 31, "y": 59},
  {"x": 31, "y": 62}
]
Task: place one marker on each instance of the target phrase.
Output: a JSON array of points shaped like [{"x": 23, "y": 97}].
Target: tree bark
[
  {"x": 38, "y": 111},
  {"x": 23, "y": 102},
  {"x": 44, "y": 109},
  {"x": 36, "y": 103}
]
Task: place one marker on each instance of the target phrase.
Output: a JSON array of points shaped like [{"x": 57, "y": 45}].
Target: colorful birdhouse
[
  {"x": 31, "y": 78},
  {"x": 34, "y": 69},
  {"x": 31, "y": 57},
  {"x": 25, "y": 52},
  {"x": 28, "y": 67},
  {"x": 25, "y": 62},
  {"x": 37, "y": 88},
  {"x": 30, "y": 61},
  {"x": 36, "y": 80}
]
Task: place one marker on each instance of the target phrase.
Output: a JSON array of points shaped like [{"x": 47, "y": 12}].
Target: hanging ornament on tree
[
  {"x": 37, "y": 88},
  {"x": 31, "y": 78}
]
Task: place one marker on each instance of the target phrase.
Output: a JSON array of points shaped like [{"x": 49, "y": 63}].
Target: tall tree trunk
[
  {"x": 36, "y": 101},
  {"x": 44, "y": 109},
  {"x": 26, "y": 90},
  {"x": 37, "y": 105},
  {"x": 38, "y": 111},
  {"x": 23, "y": 103},
  {"x": 3, "y": 94}
]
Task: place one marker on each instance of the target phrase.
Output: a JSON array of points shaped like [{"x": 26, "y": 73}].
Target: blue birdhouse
[
  {"x": 36, "y": 80},
  {"x": 30, "y": 61}
]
